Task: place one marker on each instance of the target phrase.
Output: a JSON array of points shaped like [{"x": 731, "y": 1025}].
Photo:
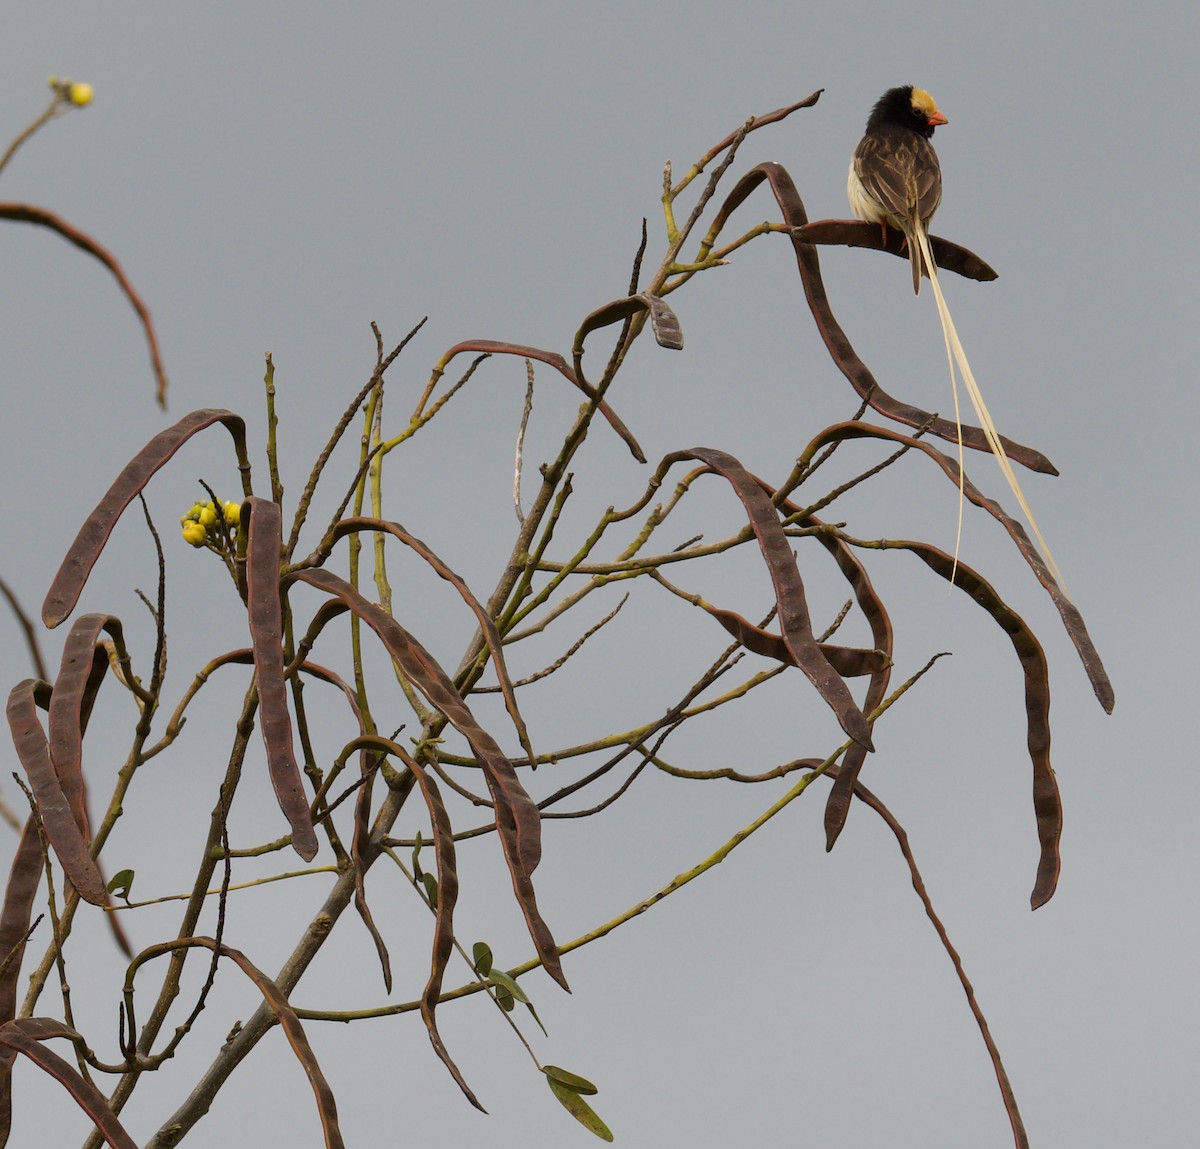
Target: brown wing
[
  {"x": 900, "y": 169},
  {"x": 927, "y": 176}
]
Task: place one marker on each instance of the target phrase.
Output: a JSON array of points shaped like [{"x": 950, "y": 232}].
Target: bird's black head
[{"x": 907, "y": 107}]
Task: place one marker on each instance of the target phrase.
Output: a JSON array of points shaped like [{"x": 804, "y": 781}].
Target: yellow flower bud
[
  {"x": 207, "y": 516},
  {"x": 233, "y": 514},
  {"x": 80, "y": 95},
  {"x": 194, "y": 533}
]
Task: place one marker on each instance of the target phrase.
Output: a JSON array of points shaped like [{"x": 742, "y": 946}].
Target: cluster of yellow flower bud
[
  {"x": 72, "y": 93},
  {"x": 200, "y": 526}
]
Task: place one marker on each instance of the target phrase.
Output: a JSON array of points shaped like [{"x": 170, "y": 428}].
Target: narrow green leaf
[
  {"x": 120, "y": 884},
  {"x": 431, "y": 889},
  {"x": 579, "y": 1109},
  {"x": 504, "y": 981},
  {"x": 529, "y": 1006},
  {"x": 418, "y": 873},
  {"x": 569, "y": 1080},
  {"x": 482, "y": 953}
]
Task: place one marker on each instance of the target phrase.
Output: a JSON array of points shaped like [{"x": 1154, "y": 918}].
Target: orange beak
[{"x": 936, "y": 119}]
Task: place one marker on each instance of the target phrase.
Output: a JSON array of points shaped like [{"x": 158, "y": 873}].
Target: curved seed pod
[
  {"x": 518, "y": 821},
  {"x": 837, "y": 807},
  {"x": 856, "y": 233},
  {"x": 81, "y": 672},
  {"x": 869, "y": 602},
  {"x": 789, "y": 590},
  {"x": 1072, "y": 620},
  {"x": 1047, "y": 803},
  {"x": 74, "y": 693},
  {"x": 264, "y": 547},
  {"x": 491, "y": 635},
  {"x": 838, "y": 345},
  {"x": 663, "y": 321},
  {"x": 28, "y": 213},
  {"x": 23, "y": 880},
  {"x": 277, "y": 1001},
  {"x": 58, "y": 819},
  {"x": 551, "y": 359},
  {"x": 297, "y": 1039},
  {"x": 26, "y": 1035},
  {"x": 447, "y": 899},
  {"x": 94, "y": 534},
  {"x": 19, "y": 894},
  {"x": 848, "y": 661}
]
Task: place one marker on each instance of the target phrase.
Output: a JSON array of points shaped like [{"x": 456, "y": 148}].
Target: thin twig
[
  {"x": 558, "y": 663},
  {"x": 525, "y": 413},
  {"x": 27, "y": 628}
]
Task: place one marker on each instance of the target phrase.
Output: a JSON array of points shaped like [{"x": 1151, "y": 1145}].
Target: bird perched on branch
[{"x": 895, "y": 178}]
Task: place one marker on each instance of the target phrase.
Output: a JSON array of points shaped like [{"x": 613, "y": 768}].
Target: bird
[{"x": 895, "y": 178}]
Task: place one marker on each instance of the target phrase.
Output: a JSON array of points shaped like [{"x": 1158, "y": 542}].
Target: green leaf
[
  {"x": 431, "y": 889},
  {"x": 569, "y": 1080},
  {"x": 504, "y": 981},
  {"x": 504, "y": 999},
  {"x": 482, "y": 953},
  {"x": 529, "y": 1006},
  {"x": 579, "y": 1109},
  {"x": 120, "y": 884},
  {"x": 418, "y": 873}
]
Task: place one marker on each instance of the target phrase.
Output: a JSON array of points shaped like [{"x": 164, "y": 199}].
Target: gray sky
[{"x": 273, "y": 177}]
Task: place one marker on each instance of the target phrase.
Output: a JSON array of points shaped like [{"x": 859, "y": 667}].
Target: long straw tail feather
[{"x": 956, "y": 354}]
